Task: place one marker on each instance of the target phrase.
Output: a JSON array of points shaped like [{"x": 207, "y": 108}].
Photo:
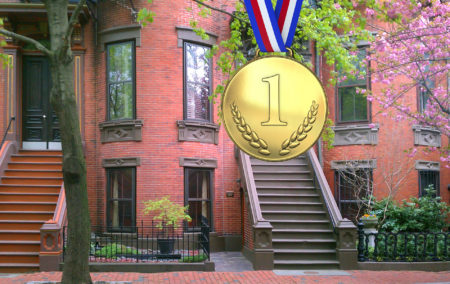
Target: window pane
[
  {"x": 199, "y": 195},
  {"x": 352, "y": 106},
  {"x": 361, "y": 78},
  {"x": 197, "y": 101},
  {"x": 120, "y": 62},
  {"x": 197, "y": 82},
  {"x": 120, "y": 77},
  {"x": 426, "y": 179},
  {"x": 120, "y": 197},
  {"x": 121, "y": 100}
]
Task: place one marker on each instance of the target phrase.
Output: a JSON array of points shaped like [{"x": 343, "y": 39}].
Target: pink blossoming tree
[{"x": 410, "y": 53}]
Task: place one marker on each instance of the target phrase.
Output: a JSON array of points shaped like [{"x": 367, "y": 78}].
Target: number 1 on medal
[{"x": 274, "y": 101}]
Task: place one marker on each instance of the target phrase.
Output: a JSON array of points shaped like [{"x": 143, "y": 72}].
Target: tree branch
[
  {"x": 26, "y": 39},
  {"x": 221, "y": 11},
  {"x": 74, "y": 19}
]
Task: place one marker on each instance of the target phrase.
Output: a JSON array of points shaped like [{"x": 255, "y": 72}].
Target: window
[
  {"x": 121, "y": 201},
  {"x": 197, "y": 82},
  {"x": 424, "y": 94},
  {"x": 120, "y": 66},
  {"x": 427, "y": 178},
  {"x": 352, "y": 187},
  {"x": 352, "y": 104},
  {"x": 198, "y": 183}
]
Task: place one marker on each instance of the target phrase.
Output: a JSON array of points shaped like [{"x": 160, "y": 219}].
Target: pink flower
[
  {"x": 369, "y": 12},
  {"x": 337, "y": 6}
]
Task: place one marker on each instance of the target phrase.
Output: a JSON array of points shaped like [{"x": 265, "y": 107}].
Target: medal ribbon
[{"x": 274, "y": 30}]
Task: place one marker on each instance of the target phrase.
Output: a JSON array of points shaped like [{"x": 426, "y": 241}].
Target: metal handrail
[{"x": 6, "y": 132}]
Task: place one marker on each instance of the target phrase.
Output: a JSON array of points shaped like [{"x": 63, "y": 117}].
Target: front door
[{"x": 40, "y": 123}]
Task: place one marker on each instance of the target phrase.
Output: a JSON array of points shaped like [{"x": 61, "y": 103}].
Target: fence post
[
  {"x": 361, "y": 256},
  {"x": 51, "y": 246}
]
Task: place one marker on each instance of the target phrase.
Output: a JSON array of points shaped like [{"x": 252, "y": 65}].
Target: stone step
[
  {"x": 286, "y": 190},
  {"x": 305, "y": 254},
  {"x": 18, "y": 267},
  {"x": 289, "y": 234},
  {"x": 20, "y": 235},
  {"x": 306, "y": 264},
  {"x": 301, "y": 183},
  {"x": 290, "y": 206},
  {"x": 294, "y": 215},
  {"x": 303, "y": 243},
  {"x": 301, "y": 224},
  {"x": 280, "y": 197},
  {"x": 285, "y": 174}
]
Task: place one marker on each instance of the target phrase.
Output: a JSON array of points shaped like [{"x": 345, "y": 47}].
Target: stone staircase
[
  {"x": 302, "y": 234},
  {"x": 29, "y": 191}
]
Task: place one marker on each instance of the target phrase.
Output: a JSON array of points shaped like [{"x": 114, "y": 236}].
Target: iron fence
[
  {"x": 147, "y": 243},
  {"x": 403, "y": 246}
]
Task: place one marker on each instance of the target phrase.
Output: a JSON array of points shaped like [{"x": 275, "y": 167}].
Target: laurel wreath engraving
[
  {"x": 253, "y": 139},
  {"x": 302, "y": 131}
]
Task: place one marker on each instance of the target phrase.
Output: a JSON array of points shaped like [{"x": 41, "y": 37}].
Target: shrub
[
  {"x": 194, "y": 258},
  {"x": 423, "y": 214},
  {"x": 112, "y": 250}
]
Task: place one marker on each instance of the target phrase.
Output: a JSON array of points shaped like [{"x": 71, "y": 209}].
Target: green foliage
[
  {"x": 112, "y": 250},
  {"x": 194, "y": 258},
  {"x": 145, "y": 16},
  {"x": 423, "y": 214},
  {"x": 167, "y": 213}
]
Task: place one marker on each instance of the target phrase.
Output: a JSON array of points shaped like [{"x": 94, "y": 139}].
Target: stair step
[
  {"x": 289, "y": 234},
  {"x": 18, "y": 267},
  {"x": 30, "y": 188},
  {"x": 19, "y": 257},
  {"x": 40, "y": 152},
  {"x": 22, "y": 224},
  {"x": 34, "y": 173},
  {"x": 36, "y": 158},
  {"x": 308, "y": 183},
  {"x": 13, "y": 246},
  {"x": 289, "y": 206},
  {"x": 281, "y": 174},
  {"x": 20, "y": 235},
  {"x": 301, "y": 224},
  {"x": 294, "y": 162},
  {"x": 305, "y": 254},
  {"x": 27, "y": 206},
  {"x": 32, "y": 180},
  {"x": 29, "y": 215},
  {"x": 294, "y": 215},
  {"x": 35, "y": 166},
  {"x": 303, "y": 243},
  {"x": 34, "y": 196},
  {"x": 306, "y": 264},
  {"x": 277, "y": 197}
]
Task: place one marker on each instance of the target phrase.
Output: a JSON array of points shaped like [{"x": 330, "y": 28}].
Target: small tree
[{"x": 168, "y": 215}]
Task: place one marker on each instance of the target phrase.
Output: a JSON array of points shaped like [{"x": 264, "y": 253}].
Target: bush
[
  {"x": 194, "y": 258},
  {"x": 424, "y": 214},
  {"x": 112, "y": 250}
]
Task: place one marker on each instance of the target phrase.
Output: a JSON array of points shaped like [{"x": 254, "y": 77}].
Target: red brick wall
[
  {"x": 159, "y": 101},
  {"x": 394, "y": 138}
]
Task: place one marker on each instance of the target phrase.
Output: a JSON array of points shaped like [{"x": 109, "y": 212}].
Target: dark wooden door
[{"x": 40, "y": 123}]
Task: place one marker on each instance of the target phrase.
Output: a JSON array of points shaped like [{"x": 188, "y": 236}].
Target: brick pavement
[{"x": 259, "y": 277}]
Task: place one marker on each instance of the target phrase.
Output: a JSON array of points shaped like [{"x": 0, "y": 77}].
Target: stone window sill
[
  {"x": 359, "y": 134},
  {"x": 123, "y": 130},
  {"x": 198, "y": 131}
]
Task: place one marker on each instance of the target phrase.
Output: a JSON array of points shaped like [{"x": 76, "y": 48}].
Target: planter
[
  {"x": 165, "y": 246},
  {"x": 370, "y": 227}
]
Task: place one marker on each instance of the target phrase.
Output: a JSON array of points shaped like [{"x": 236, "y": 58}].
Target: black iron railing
[
  {"x": 403, "y": 246},
  {"x": 147, "y": 243},
  {"x": 6, "y": 131}
]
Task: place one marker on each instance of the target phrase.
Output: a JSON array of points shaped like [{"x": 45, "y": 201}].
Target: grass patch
[{"x": 194, "y": 258}]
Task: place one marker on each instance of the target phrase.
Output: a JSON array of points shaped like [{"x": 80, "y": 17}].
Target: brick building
[{"x": 149, "y": 129}]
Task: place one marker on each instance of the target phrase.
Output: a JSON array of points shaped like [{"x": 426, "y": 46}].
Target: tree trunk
[{"x": 76, "y": 261}]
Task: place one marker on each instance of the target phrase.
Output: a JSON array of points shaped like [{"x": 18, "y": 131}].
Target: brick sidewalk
[{"x": 257, "y": 277}]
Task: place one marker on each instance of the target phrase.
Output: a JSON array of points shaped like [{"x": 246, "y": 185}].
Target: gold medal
[{"x": 274, "y": 108}]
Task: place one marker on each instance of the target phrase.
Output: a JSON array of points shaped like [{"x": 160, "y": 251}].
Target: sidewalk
[{"x": 257, "y": 277}]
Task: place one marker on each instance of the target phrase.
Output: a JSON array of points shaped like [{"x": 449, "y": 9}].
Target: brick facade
[{"x": 159, "y": 104}]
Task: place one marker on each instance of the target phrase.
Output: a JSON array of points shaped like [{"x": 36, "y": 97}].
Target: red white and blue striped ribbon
[{"x": 274, "y": 30}]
